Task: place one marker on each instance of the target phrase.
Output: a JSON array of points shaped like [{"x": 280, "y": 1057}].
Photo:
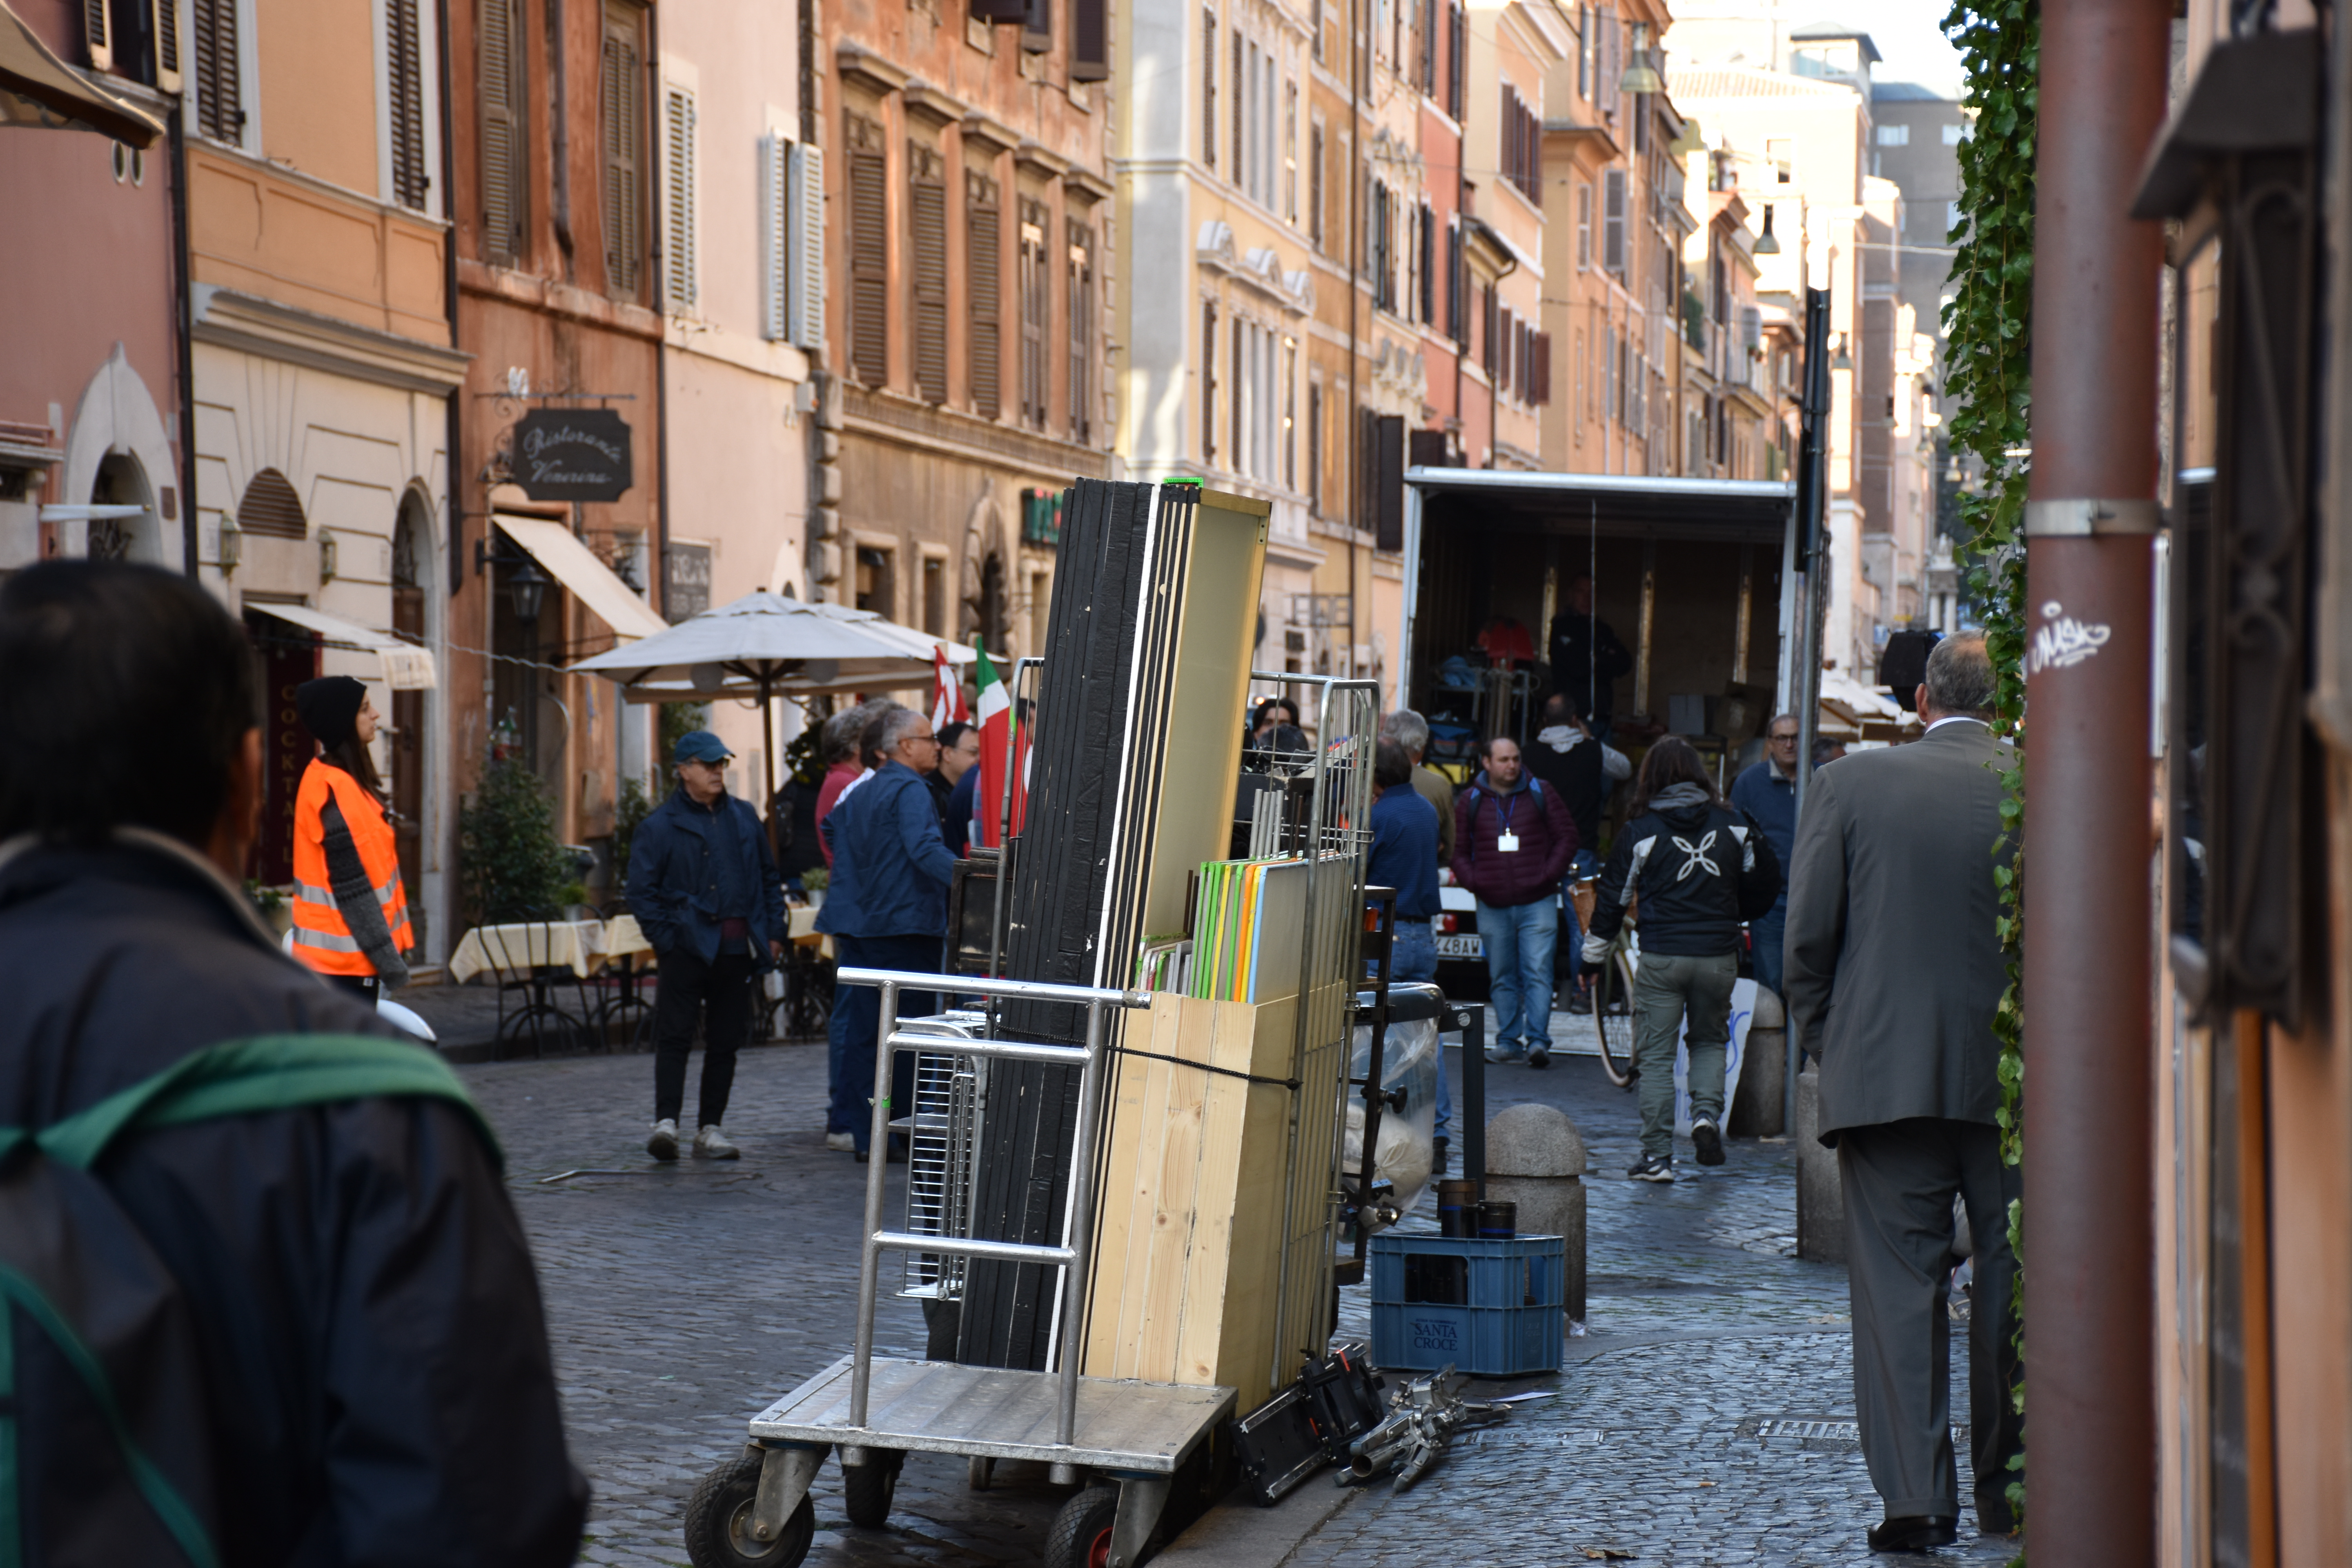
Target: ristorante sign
[{"x": 572, "y": 454}]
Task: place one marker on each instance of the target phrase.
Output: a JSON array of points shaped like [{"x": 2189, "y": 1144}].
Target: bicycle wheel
[{"x": 1613, "y": 1020}]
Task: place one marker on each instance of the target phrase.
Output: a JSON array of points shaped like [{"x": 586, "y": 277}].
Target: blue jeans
[
  {"x": 1768, "y": 931},
  {"x": 1519, "y": 938},
  {"x": 1586, "y": 864},
  {"x": 857, "y": 1010}
]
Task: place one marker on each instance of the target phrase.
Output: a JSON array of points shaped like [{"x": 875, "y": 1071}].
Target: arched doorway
[{"x": 122, "y": 482}]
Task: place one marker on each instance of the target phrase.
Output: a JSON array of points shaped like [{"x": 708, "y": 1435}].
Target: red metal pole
[{"x": 2088, "y": 1174}]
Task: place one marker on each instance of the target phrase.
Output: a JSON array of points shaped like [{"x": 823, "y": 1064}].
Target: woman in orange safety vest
[{"x": 351, "y": 913}]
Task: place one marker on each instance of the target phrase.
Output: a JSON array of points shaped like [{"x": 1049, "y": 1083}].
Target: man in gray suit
[{"x": 1894, "y": 971}]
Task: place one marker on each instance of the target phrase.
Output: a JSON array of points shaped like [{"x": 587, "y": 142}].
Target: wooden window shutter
[
  {"x": 678, "y": 273},
  {"x": 1543, "y": 367},
  {"x": 775, "y": 239},
  {"x": 1208, "y": 381},
  {"x": 926, "y": 215},
  {"x": 1207, "y": 87},
  {"x": 1612, "y": 220},
  {"x": 1090, "y": 40},
  {"x": 1032, "y": 313},
  {"x": 404, "y": 73},
  {"x": 623, "y": 116},
  {"x": 163, "y": 19},
  {"x": 499, "y": 96},
  {"x": 270, "y": 507},
  {"x": 220, "y": 98},
  {"x": 808, "y": 247},
  {"x": 869, "y": 254},
  {"x": 984, "y": 249},
  {"x": 1080, "y": 281},
  {"x": 1314, "y": 186},
  {"x": 98, "y": 32}
]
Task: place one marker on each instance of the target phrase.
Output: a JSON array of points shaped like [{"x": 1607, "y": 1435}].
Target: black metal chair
[
  {"x": 510, "y": 946},
  {"x": 620, "y": 992}
]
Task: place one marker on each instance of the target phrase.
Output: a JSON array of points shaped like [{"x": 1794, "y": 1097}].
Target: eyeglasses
[
  {"x": 933, "y": 739},
  {"x": 1784, "y": 739}
]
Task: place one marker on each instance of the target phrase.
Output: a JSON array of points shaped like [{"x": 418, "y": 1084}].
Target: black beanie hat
[{"x": 329, "y": 707}]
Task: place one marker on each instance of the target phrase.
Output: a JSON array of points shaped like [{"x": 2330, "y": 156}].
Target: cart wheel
[
  {"x": 1081, "y": 1536},
  {"x": 867, "y": 1490},
  {"x": 719, "y": 1522}
]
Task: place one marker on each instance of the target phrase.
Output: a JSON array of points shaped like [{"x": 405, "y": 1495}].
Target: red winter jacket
[{"x": 1547, "y": 835}]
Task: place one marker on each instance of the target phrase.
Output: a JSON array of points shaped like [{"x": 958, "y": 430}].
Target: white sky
[{"x": 1909, "y": 34}]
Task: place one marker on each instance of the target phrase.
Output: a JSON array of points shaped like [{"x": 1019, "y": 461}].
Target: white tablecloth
[{"x": 513, "y": 950}]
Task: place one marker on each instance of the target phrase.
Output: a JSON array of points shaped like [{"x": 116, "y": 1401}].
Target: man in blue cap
[{"x": 703, "y": 886}]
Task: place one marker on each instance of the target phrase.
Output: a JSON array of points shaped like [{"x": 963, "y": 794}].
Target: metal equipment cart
[{"x": 755, "y": 1512}]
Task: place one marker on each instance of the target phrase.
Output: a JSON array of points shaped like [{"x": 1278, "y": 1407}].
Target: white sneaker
[
  {"x": 842, "y": 1143},
  {"x": 711, "y": 1144},
  {"x": 663, "y": 1144}
]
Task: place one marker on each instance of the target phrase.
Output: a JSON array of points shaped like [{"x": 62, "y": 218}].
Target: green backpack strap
[{"x": 266, "y": 1072}]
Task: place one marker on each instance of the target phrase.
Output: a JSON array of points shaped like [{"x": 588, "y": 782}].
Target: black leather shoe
[{"x": 1914, "y": 1532}]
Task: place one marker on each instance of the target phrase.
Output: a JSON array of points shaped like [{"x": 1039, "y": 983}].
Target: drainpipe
[
  {"x": 2091, "y": 508},
  {"x": 183, "y": 306}
]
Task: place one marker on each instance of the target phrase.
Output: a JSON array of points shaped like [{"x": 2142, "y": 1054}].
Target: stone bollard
[
  {"x": 1535, "y": 1158},
  {"x": 1821, "y": 1198},
  {"x": 1760, "y": 1105}
]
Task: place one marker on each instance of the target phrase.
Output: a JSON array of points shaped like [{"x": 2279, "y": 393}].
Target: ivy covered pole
[{"x": 2089, "y": 516}]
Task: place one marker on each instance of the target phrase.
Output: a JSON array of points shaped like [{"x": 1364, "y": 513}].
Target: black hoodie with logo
[{"x": 1698, "y": 867}]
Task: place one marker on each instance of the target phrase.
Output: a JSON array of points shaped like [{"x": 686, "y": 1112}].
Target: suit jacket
[{"x": 1893, "y": 963}]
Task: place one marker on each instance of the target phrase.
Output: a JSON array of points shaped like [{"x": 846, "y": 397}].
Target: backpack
[{"x": 104, "y": 1432}]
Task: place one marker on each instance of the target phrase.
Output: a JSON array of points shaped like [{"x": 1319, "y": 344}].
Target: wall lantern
[
  {"x": 527, "y": 586},
  {"x": 327, "y": 555},
  {"x": 1765, "y": 244},
  {"x": 1640, "y": 76},
  {"x": 230, "y": 552}
]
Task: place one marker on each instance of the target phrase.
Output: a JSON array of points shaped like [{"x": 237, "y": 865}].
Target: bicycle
[{"x": 1613, "y": 990}]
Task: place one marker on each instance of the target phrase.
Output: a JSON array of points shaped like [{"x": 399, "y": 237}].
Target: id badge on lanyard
[{"x": 1507, "y": 842}]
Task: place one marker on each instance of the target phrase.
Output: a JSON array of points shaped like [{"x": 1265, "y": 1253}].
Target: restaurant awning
[
  {"x": 589, "y": 580},
  {"x": 406, "y": 667},
  {"x": 40, "y": 91}
]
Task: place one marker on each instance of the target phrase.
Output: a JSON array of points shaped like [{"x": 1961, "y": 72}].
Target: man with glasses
[
  {"x": 1767, "y": 792},
  {"x": 886, "y": 905}
]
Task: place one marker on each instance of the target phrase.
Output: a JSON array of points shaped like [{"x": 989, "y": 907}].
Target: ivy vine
[{"x": 1988, "y": 327}]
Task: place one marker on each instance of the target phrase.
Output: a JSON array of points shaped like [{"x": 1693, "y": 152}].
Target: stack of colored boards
[
  {"x": 1249, "y": 927},
  {"x": 1138, "y": 743}
]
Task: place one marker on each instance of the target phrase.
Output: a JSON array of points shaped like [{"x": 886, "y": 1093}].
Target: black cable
[{"x": 1289, "y": 1083}]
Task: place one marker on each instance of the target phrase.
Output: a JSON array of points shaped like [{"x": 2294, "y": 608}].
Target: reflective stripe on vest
[{"x": 322, "y": 939}]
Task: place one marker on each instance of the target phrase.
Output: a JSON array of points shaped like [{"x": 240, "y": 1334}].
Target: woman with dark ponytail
[{"x": 350, "y": 912}]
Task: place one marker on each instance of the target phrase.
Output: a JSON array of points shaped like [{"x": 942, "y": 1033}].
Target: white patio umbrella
[{"x": 763, "y": 646}]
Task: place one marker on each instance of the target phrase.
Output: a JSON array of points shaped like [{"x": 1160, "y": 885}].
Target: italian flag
[{"x": 998, "y": 752}]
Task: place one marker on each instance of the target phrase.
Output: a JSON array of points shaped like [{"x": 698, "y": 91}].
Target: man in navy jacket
[
  {"x": 703, "y": 887},
  {"x": 886, "y": 905}
]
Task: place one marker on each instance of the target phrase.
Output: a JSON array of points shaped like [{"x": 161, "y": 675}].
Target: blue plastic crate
[{"x": 1491, "y": 1308}]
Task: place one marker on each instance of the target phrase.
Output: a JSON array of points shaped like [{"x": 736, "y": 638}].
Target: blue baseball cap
[{"x": 700, "y": 746}]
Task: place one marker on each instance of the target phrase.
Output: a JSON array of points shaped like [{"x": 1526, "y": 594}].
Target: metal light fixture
[
  {"x": 1841, "y": 360},
  {"x": 1765, "y": 244},
  {"x": 527, "y": 587},
  {"x": 1640, "y": 75},
  {"x": 326, "y": 555},
  {"x": 231, "y": 549}
]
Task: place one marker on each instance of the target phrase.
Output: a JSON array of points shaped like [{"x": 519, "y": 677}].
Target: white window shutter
[
  {"x": 775, "y": 239},
  {"x": 679, "y": 273},
  {"x": 808, "y": 246},
  {"x": 165, "y": 26}
]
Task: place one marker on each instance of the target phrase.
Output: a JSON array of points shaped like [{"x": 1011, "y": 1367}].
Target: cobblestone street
[{"x": 1704, "y": 1418}]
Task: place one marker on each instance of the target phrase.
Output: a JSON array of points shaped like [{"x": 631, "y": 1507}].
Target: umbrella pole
[{"x": 768, "y": 751}]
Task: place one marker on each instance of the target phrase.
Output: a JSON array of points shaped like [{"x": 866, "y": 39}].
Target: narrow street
[{"x": 1704, "y": 1418}]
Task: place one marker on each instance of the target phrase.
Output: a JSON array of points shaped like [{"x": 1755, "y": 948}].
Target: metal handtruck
[{"x": 756, "y": 1511}]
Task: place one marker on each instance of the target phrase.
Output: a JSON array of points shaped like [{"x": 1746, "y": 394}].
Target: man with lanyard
[
  {"x": 1512, "y": 840},
  {"x": 1767, "y": 792}
]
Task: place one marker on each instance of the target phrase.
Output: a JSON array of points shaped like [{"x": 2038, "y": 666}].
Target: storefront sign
[
  {"x": 572, "y": 454},
  {"x": 686, "y": 581}
]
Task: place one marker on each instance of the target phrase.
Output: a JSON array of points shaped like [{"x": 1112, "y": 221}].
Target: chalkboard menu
[{"x": 572, "y": 454}]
